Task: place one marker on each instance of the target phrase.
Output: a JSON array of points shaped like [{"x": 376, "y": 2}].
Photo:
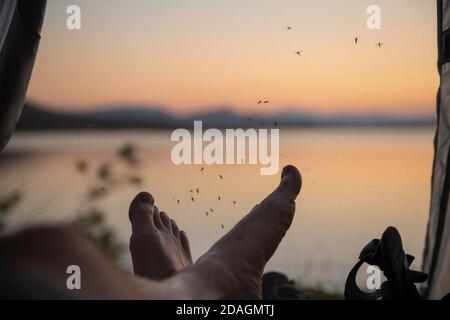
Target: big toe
[
  {"x": 141, "y": 212},
  {"x": 291, "y": 182}
]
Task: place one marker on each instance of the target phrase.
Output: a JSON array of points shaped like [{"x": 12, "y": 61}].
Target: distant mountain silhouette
[{"x": 36, "y": 117}]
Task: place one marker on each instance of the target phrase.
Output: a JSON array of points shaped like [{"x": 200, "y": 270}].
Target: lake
[{"x": 356, "y": 182}]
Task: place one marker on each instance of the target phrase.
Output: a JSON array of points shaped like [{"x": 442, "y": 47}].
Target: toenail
[
  {"x": 286, "y": 171},
  {"x": 146, "y": 197}
]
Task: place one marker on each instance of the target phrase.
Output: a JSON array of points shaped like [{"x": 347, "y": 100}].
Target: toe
[
  {"x": 291, "y": 182},
  {"x": 157, "y": 219},
  {"x": 175, "y": 229},
  {"x": 166, "y": 220},
  {"x": 140, "y": 213},
  {"x": 185, "y": 243}
]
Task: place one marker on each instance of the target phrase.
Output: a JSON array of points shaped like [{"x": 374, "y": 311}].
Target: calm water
[{"x": 356, "y": 183}]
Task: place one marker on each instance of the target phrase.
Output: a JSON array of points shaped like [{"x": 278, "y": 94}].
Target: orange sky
[{"x": 189, "y": 55}]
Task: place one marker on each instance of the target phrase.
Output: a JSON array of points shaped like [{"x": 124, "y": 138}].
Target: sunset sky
[{"x": 190, "y": 55}]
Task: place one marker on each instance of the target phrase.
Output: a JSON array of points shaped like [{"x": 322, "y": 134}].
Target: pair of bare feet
[{"x": 233, "y": 267}]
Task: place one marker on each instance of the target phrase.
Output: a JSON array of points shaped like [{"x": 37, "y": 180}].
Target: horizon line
[{"x": 123, "y": 106}]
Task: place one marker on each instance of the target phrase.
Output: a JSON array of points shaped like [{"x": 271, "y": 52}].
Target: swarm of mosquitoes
[
  {"x": 127, "y": 153},
  {"x": 300, "y": 54},
  {"x": 194, "y": 192}
]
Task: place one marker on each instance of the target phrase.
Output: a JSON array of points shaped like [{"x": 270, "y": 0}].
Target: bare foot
[
  {"x": 158, "y": 248},
  {"x": 233, "y": 267}
]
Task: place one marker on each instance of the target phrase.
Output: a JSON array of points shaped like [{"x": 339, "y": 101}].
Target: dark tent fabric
[
  {"x": 436, "y": 260},
  {"x": 20, "y": 26}
]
